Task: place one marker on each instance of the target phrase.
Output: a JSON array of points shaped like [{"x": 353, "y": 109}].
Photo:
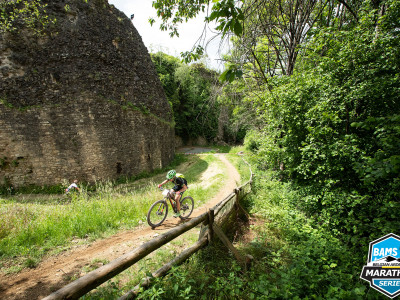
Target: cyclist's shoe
[{"x": 178, "y": 214}]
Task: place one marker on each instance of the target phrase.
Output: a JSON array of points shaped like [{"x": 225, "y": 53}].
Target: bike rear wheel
[
  {"x": 187, "y": 205},
  {"x": 157, "y": 213}
]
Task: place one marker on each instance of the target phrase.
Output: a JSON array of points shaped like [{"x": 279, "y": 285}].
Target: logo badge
[{"x": 383, "y": 266}]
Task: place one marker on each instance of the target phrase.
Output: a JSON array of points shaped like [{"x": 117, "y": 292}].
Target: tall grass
[
  {"x": 31, "y": 228},
  {"x": 240, "y": 163}
]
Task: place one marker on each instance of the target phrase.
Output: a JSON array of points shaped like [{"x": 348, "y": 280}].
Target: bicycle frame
[{"x": 171, "y": 197}]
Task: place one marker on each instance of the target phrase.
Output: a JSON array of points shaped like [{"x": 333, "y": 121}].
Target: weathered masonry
[{"x": 81, "y": 101}]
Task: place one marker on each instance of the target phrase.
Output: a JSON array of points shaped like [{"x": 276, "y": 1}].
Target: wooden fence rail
[{"x": 93, "y": 279}]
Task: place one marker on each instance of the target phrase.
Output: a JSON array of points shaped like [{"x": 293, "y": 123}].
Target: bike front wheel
[
  {"x": 187, "y": 205},
  {"x": 157, "y": 213}
]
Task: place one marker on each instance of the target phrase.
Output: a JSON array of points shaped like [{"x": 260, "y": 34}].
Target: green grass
[
  {"x": 241, "y": 166},
  {"x": 34, "y": 226}
]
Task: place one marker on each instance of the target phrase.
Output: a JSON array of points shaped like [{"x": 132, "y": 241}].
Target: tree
[
  {"x": 191, "y": 93},
  {"x": 270, "y": 33},
  {"x": 281, "y": 28}
]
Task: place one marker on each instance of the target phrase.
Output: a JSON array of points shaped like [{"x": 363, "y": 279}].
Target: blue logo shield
[{"x": 383, "y": 266}]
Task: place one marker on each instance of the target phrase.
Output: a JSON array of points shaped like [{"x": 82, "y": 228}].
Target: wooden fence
[{"x": 211, "y": 222}]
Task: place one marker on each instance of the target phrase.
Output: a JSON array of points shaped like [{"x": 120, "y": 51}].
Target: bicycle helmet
[{"x": 171, "y": 174}]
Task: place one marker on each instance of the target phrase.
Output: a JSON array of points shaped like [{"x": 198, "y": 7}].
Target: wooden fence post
[
  {"x": 224, "y": 239},
  {"x": 237, "y": 199},
  {"x": 210, "y": 225},
  {"x": 239, "y": 206}
]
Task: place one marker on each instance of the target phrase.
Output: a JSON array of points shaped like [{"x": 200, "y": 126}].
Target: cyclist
[{"x": 179, "y": 188}]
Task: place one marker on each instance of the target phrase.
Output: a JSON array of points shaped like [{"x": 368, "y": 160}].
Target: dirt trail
[{"x": 53, "y": 272}]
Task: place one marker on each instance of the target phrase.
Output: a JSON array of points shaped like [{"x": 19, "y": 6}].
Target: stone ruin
[{"x": 81, "y": 100}]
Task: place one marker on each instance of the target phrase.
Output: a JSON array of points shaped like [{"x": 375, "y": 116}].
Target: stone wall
[{"x": 81, "y": 101}]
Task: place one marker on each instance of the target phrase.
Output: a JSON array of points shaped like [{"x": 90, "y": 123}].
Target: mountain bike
[{"x": 159, "y": 210}]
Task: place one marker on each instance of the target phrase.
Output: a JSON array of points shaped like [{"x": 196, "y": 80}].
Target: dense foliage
[
  {"x": 191, "y": 92},
  {"x": 333, "y": 127}
]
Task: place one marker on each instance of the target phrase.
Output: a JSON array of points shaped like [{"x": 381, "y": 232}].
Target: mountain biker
[{"x": 179, "y": 188}]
